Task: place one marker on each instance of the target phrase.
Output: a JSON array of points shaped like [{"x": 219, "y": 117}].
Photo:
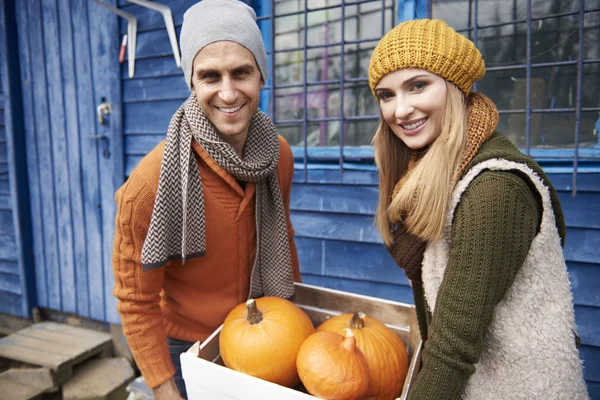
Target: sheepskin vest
[{"x": 529, "y": 348}]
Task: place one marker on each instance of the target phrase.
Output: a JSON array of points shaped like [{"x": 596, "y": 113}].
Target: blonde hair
[{"x": 422, "y": 202}]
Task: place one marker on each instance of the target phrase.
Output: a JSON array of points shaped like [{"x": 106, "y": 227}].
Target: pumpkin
[
  {"x": 384, "y": 351},
  {"x": 332, "y": 367},
  {"x": 262, "y": 338}
]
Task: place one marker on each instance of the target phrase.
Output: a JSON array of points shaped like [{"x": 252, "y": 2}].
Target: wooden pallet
[
  {"x": 55, "y": 346},
  {"x": 25, "y": 383}
]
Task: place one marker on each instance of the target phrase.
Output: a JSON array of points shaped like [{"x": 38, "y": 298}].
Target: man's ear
[{"x": 262, "y": 82}]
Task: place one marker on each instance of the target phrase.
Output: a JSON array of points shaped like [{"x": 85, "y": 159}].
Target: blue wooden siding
[
  {"x": 68, "y": 65},
  {"x": 17, "y": 287}
]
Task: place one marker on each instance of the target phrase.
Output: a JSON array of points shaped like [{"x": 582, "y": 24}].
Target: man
[{"x": 203, "y": 221}]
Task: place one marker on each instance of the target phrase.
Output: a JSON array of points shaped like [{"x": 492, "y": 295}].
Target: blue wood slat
[
  {"x": 585, "y": 182},
  {"x": 588, "y": 328},
  {"x": 582, "y": 211},
  {"x": 10, "y": 283},
  {"x": 11, "y": 303},
  {"x": 104, "y": 53},
  {"x": 91, "y": 271},
  {"x": 25, "y": 55},
  {"x": 8, "y": 247},
  {"x": 583, "y": 245},
  {"x": 591, "y": 362},
  {"x": 6, "y": 222},
  {"x": 44, "y": 155},
  {"x": 585, "y": 281},
  {"x": 9, "y": 267},
  {"x": 150, "y": 118},
  {"x": 354, "y": 228},
  {"x": 77, "y": 278},
  {"x": 140, "y": 145},
  {"x": 333, "y": 176},
  {"x": 358, "y": 261},
  {"x": 149, "y": 20},
  {"x": 153, "y": 44},
  {"x": 594, "y": 390},
  {"x": 152, "y": 89},
  {"x": 130, "y": 163},
  {"x": 337, "y": 199},
  {"x": 380, "y": 290},
  {"x": 60, "y": 157},
  {"x": 5, "y": 201},
  {"x": 152, "y": 68}
]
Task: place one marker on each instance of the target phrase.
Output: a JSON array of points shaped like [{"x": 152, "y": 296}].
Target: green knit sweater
[{"x": 494, "y": 224}]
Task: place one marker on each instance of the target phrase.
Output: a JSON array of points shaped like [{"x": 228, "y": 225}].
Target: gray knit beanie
[{"x": 211, "y": 21}]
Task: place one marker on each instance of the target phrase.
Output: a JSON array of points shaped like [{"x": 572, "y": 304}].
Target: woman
[{"x": 476, "y": 225}]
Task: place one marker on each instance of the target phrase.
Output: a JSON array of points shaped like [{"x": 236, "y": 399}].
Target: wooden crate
[{"x": 207, "y": 378}]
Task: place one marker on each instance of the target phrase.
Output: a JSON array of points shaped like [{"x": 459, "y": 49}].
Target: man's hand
[{"x": 167, "y": 391}]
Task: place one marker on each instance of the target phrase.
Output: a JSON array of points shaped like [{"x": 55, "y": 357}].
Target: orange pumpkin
[
  {"x": 262, "y": 338},
  {"x": 384, "y": 351},
  {"x": 332, "y": 367}
]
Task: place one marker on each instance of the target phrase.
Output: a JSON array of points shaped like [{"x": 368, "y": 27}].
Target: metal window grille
[
  {"x": 542, "y": 57},
  {"x": 542, "y": 70}
]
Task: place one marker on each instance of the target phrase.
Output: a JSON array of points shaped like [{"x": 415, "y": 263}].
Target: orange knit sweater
[{"x": 186, "y": 302}]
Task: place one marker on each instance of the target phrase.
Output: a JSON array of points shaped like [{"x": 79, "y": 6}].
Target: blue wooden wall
[{"x": 68, "y": 52}]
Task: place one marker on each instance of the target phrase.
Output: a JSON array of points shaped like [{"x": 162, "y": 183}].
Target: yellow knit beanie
[{"x": 428, "y": 44}]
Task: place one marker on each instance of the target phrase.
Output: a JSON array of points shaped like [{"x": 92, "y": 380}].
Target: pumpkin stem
[
  {"x": 254, "y": 315},
  {"x": 358, "y": 320},
  {"x": 349, "y": 341}
]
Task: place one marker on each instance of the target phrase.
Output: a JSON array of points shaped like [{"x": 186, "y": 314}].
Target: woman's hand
[{"x": 167, "y": 391}]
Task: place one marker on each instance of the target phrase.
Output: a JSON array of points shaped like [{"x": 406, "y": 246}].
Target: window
[{"x": 319, "y": 95}]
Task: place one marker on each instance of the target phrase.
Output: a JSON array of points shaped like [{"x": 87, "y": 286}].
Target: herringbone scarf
[{"x": 177, "y": 228}]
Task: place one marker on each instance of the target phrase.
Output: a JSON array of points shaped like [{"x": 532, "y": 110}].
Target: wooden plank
[
  {"x": 334, "y": 198},
  {"x": 582, "y": 211},
  {"x": 6, "y": 222},
  {"x": 586, "y": 182},
  {"x": 585, "y": 281},
  {"x": 152, "y": 20},
  {"x": 107, "y": 86},
  {"x": 10, "y": 283},
  {"x": 104, "y": 378},
  {"x": 594, "y": 390},
  {"x": 75, "y": 232},
  {"x": 149, "y": 118},
  {"x": 153, "y": 67},
  {"x": 43, "y": 137},
  {"x": 140, "y": 145},
  {"x": 60, "y": 157},
  {"x": 349, "y": 227},
  {"x": 10, "y": 324},
  {"x": 583, "y": 245},
  {"x": 89, "y": 274},
  {"x": 31, "y": 346},
  {"x": 369, "y": 262},
  {"x": 591, "y": 362},
  {"x": 588, "y": 327},
  {"x": 9, "y": 266},
  {"x": 154, "y": 44},
  {"x": 8, "y": 247},
  {"x": 25, "y": 35},
  {"x": 40, "y": 378},
  {"x": 11, "y": 303},
  {"x": 333, "y": 176},
  {"x": 381, "y": 290},
  {"x": 11, "y": 390},
  {"x": 77, "y": 333},
  {"x": 5, "y": 201},
  {"x": 130, "y": 163},
  {"x": 152, "y": 89}
]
